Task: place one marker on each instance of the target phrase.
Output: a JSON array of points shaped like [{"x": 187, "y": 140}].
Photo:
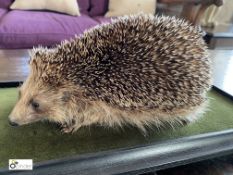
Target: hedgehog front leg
[
  {"x": 69, "y": 127},
  {"x": 66, "y": 128}
]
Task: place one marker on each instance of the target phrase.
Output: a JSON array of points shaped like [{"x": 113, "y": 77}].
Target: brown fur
[{"x": 142, "y": 70}]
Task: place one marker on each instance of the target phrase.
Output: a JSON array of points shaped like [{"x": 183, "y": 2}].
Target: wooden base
[{"x": 13, "y": 65}]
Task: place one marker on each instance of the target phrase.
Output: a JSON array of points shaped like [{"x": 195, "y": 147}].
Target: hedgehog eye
[{"x": 35, "y": 105}]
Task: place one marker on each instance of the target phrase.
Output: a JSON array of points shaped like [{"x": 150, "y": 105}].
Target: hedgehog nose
[{"x": 13, "y": 123}]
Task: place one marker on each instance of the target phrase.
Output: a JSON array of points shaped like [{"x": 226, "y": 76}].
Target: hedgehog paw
[{"x": 67, "y": 129}]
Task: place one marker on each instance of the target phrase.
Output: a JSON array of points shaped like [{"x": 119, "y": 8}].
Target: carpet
[{"x": 43, "y": 141}]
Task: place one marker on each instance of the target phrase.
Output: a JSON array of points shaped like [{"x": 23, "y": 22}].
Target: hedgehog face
[{"x": 39, "y": 102}]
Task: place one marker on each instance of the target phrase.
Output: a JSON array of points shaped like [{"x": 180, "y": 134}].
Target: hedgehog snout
[{"x": 13, "y": 123}]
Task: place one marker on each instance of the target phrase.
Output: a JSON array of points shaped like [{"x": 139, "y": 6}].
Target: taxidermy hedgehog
[{"x": 141, "y": 70}]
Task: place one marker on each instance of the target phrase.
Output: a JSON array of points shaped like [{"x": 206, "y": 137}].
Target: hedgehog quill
[{"x": 141, "y": 70}]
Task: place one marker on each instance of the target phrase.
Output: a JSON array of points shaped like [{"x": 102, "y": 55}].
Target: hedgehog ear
[{"x": 66, "y": 96}]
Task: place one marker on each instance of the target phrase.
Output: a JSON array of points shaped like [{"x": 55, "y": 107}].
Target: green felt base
[{"x": 44, "y": 141}]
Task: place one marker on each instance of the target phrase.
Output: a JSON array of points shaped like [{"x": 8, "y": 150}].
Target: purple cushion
[
  {"x": 24, "y": 29},
  {"x": 2, "y": 13},
  {"x": 102, "y": 19},
  {"x": 84, "y": 6},
  {"x": 98, "y": 7},
  {"x": 5, "y": 3}
]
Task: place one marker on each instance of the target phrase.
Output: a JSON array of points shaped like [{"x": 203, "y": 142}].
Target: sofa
[{"x": 24, "y": 29}]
